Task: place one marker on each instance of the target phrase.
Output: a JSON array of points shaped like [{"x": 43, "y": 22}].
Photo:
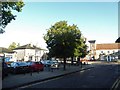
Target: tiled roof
[
  {"x": 27, "y": 46},
  {"x": 108, "y": 46},
  {"x": 5, "y": 50}
]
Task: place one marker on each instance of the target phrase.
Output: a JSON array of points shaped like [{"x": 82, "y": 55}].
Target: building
[
  {"x": 104, "y": 51},
  {"x": 29, "y": 52},
  {"x": 107, "y": 51},
  {"x": 92, "y": 52},
  {"x": 9, "y": 55},
  {"x": 118, "y": 40}
]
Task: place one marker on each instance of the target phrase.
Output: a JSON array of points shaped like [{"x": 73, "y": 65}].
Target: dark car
[
  {"x": 18, "y": 67},
  {"x": 4, "y": 70},
  {"x": 35, "y": 66}
]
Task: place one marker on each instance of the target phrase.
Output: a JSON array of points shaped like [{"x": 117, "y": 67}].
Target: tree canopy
[
  {"x": 81, "y": 49},
  {"x": 65, "y": 41},
  {"x": 13, "y": 45},
  {"x": 6, "y": 15}
]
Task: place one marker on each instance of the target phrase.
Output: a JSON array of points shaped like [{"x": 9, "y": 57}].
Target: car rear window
[{"x": 36, "y": 62}]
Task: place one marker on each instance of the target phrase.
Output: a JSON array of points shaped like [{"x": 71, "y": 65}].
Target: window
[
  {"x": 30, "y": 57},
  {"x": 113, "y": 51},
  {"x": 102, "y": 52}
]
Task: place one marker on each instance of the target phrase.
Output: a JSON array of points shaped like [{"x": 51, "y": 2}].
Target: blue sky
[{"x": 96, "y": 20}]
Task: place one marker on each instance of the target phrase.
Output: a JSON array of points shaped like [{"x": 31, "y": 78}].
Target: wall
[
  {"x": 20, "y": 54},
  {"x": 106, "y": 52},
  {"x": 11, "y": 56},
  {"x": 25, "y": 54}
]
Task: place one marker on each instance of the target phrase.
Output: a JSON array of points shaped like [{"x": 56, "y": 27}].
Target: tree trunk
[
  {"x": 64, "y": 68},
  {"x": 78, "y": 61},
  {"x": 71, "y": 60}
]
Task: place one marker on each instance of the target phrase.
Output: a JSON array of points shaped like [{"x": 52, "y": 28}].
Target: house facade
[
  {"x": 29, "y": 52},
  {"x": 106, "y": 51},
  {"x": 9, "y": 55}
]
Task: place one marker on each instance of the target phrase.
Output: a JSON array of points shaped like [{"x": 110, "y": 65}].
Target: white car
[{"x": 52, "y": 63}]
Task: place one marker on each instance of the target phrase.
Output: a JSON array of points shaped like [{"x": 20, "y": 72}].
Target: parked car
[
  {"x": 46, "y": 62},
  {"x": 52, "y": 63},
  {"x": 4, "y": 70},
  {"x": 35, "y": 66},
  {"x": 18, "y": 67}
]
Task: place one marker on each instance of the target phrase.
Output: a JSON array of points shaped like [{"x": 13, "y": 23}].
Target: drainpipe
[{"x": 35, "y": 53}]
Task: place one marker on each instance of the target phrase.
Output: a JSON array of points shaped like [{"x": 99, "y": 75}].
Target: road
[{"x": 102, "y": 76}]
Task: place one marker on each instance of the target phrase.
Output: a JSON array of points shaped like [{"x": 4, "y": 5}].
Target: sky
[{"x": 96, "y": 20}]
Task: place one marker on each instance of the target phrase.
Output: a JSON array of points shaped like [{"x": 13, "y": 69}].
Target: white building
[
  {"x": 8, "y": 54},
  {"x": 29, "y": 52},
  {"x": 107, "y": 51}
]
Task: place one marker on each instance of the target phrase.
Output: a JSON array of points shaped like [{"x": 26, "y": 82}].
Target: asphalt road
[{"x": 102, "y": 76}]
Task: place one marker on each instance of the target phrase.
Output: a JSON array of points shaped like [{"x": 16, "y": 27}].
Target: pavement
[{"x": 20, "y": 80}]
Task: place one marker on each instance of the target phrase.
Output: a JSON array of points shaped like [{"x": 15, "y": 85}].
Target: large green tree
[
  {"x": 6, "y": 13},
  {"x": 62, "y": 40}
]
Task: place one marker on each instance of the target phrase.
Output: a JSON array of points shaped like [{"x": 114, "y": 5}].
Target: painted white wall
[
  {"x": 107, "y": 52},
  {"x": 26, "y": 53},
  {"x": 12, "y": 56},
  {"x": 20, "y": 54}
]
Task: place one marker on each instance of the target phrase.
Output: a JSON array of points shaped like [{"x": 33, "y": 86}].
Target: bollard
[
  {"x": 81, "y": 64},
  {"x": 31, "y": 72}
]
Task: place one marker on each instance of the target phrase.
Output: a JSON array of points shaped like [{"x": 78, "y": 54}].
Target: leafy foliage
[
  {"x": 81, "y": 50},
  {"x": 6, "y": 15},
  {"x": 65, "y": 40},
  {"x": 13, "y": 45}
]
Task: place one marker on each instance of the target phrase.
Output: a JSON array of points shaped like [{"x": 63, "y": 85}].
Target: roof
[
  {"x": 108, "y": 46},
  {"x": 91, "y": 41},
  {"x": 5, "y": 50},
  {"x": 28, "y": 46},
  {"x": 118, "y": 40}
]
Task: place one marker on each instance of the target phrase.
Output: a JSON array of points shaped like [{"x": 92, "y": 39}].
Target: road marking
[
  {"x": 82, "y": 71},
  {"x": 22, "y": 87},
  {"x": 115, "y": 85}
]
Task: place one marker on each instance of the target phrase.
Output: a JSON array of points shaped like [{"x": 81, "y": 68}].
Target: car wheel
[{"x": 42, "y": 70}]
